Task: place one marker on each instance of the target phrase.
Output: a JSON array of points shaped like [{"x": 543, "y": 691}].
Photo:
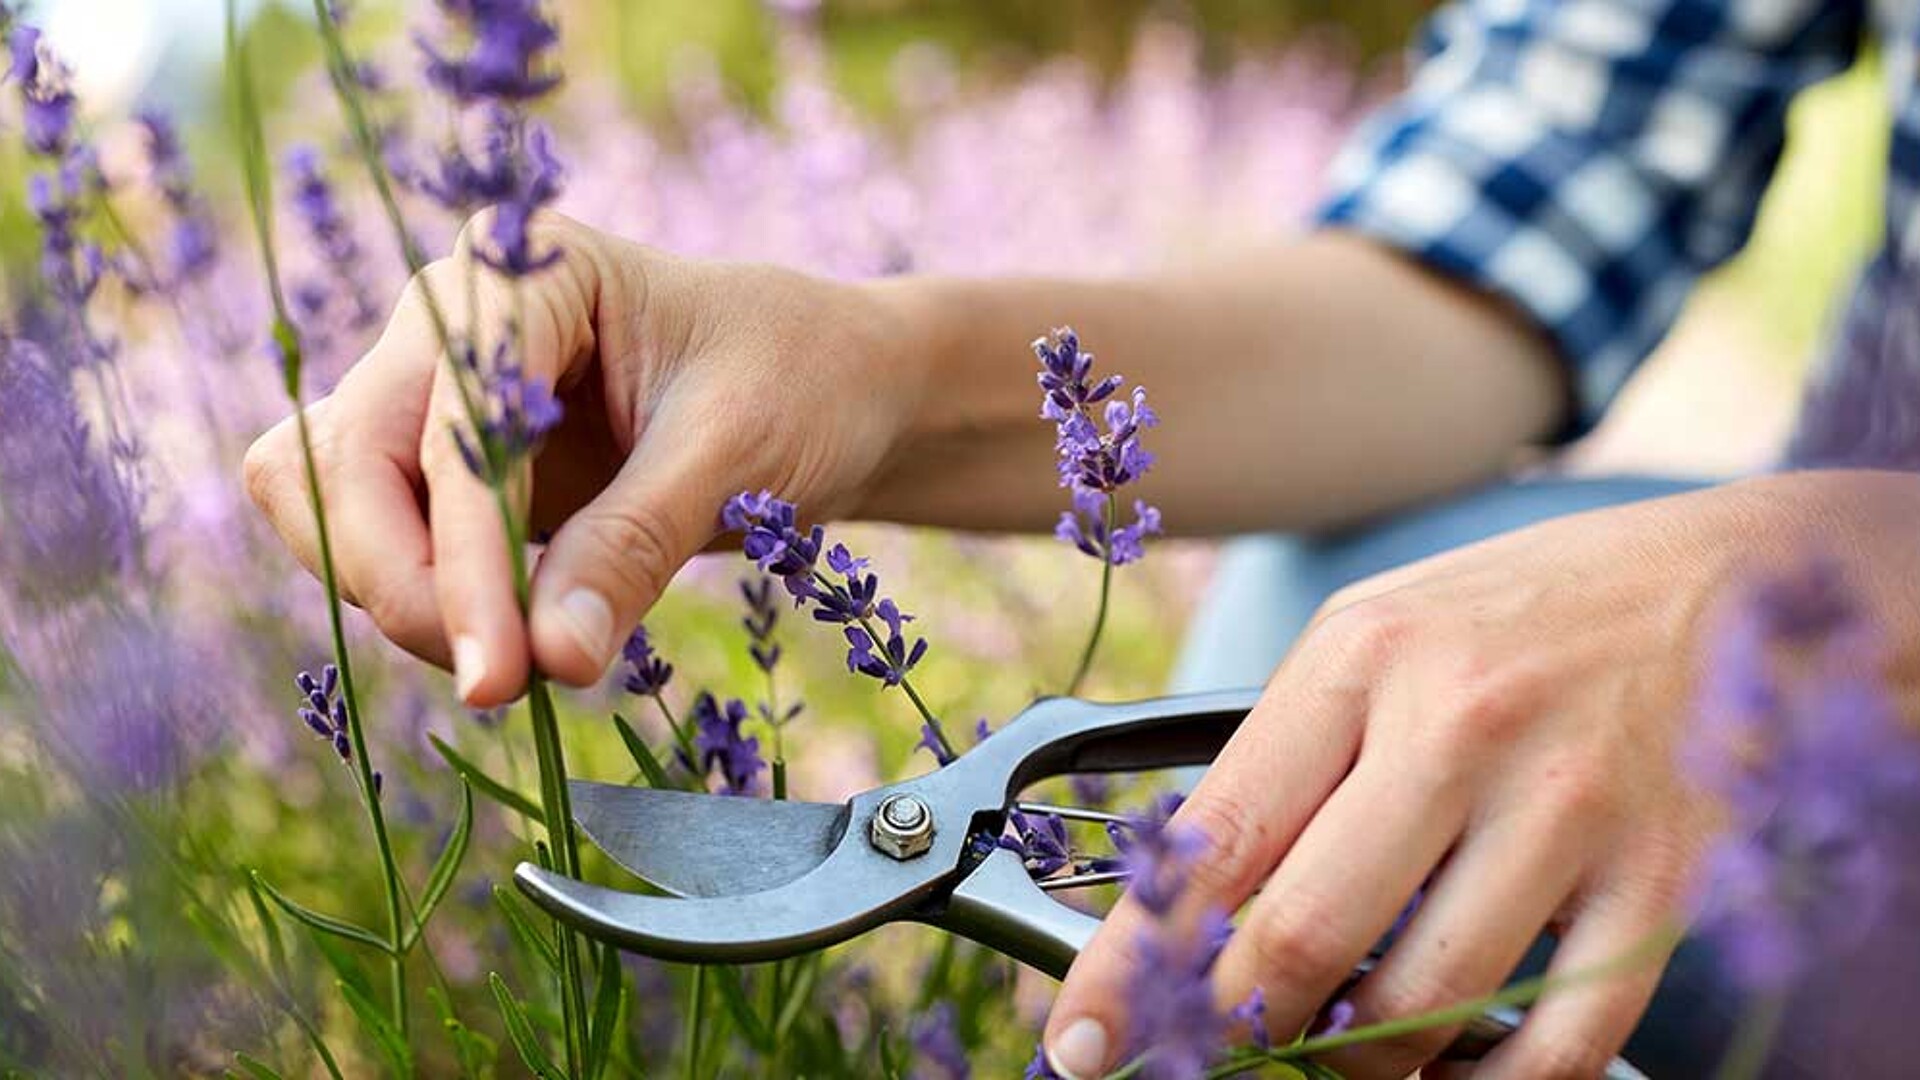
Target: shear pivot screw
[{"x": 902, "y": 827}]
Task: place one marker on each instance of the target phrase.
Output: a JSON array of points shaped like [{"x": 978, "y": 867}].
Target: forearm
[{"x": 1303, "y": 386}]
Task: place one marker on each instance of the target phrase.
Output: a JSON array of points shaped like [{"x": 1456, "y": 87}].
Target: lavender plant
[{"x": 1097, "y": 458}]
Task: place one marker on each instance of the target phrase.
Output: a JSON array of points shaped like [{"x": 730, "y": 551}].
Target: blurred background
[
  {"x": 148, "y": 748},
  {"x": 1719, "y": 398}
]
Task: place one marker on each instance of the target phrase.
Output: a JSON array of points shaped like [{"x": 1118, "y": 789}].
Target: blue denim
[{"x": 1267, "y": 589}]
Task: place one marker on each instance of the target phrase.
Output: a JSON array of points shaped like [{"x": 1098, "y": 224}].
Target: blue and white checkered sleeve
[{"x": 1588, "y": 159}]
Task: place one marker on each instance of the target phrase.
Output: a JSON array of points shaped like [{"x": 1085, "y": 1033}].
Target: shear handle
[{"x": 1061, "y": 735}]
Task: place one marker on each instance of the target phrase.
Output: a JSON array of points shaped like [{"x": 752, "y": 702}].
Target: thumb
[
  {"x": 1088, "y": 1023},
  {"x": 614, "y": 557}
]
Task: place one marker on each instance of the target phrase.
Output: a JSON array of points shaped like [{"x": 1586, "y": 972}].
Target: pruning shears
[{"x": 752, "y": 880}]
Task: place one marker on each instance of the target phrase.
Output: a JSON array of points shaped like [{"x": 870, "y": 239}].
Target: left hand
[{"x": 1500, "y": 723}]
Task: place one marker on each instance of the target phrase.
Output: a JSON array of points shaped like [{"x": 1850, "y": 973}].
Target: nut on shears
[{"x": 902, "y": 827}]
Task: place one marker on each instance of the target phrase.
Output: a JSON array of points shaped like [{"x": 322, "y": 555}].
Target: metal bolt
[{"x": 902, "y": 827}]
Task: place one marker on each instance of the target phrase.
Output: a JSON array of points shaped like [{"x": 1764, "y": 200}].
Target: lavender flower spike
[
  {"x": 720, "y": 745},
  {"x": 843, "y": 592},
  {"x": 323, "y": 710},
  {"x": 1803, "y": 743},
  {"x": 516, "y": 414},
  {"x": 510, "y": 39},
  {"x": 647, "y": 674},
  {"x": 46, "y": 93}
]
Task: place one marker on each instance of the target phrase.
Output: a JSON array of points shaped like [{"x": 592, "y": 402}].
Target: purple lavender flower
[
  {"x": 930, "y": 740},
  {"x": 1085, "y": 527},
  {"x": 323, "y": 710},
  {"x": 46, "y": 93},
  {"x": 1041, "y": 842},
  {"x": 938, "y": 1052},
  {"x": 1038, "y": 1068},
  {"x": 889, "y": 660},
  {"x": 718, "y": 741},
  {"x": 1252, "y": 1013},
  {"x": 327, "y": 227},
  {"x": 1173, "y": 1027},
  {"x": 1799, "y": 737},
  {"x": 192, "y": 244},
  {"x": 69, "y": 518},
  {"x": 535, "y": 184},
  {"x": 647, "y": 674},
  {"x": 773, "y": 538},
  {"x": 1337, "y": 1018},
  {"x": 71, "y": 267},
  {"x": 1095, "y": 460},
  {"x": 516, "y": 413},
  {"x": 1156, "y": 855},
  {"x": 510, "y": 40},
  {"x": 1091, "y": 789},
  {"x": 762, "y": 615}
]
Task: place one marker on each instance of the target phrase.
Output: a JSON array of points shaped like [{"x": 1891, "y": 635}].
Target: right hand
[{"x": 684, "y": 382}]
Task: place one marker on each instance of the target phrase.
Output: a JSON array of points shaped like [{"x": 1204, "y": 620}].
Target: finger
[
  {"x": 611, "y": 560},
  {"x": 1474, "y": 925},
  {"x": 364, "y": 439},
  {"x": 472, "y": 561},
  {"x": 1340, "y": 888},
  {"x": 1252, "y": 803},
  {"x": 1610, "y": 960},
  {"x": 546, "y": 320}
]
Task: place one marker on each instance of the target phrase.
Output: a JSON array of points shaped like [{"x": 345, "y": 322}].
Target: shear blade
[{"x": 690, "y": 844}]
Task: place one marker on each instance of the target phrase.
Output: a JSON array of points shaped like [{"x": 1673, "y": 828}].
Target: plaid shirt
[{"x": 1590, "y": 159}]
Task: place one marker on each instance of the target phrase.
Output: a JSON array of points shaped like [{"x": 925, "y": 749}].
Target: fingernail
[
  {"x": 469, "y": 665},
  {"x": 589, "y": 619},
  {"x": 1081, "y": 1050}
]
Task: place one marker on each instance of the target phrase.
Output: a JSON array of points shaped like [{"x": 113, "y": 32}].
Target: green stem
[
  {"x": 1648, "y": 950},
  {"x": 356, "y": 734},
  {"x": 681, "y": 738},
  {"x": 555, "y": 802},
  {"x": 696, "y": 1020},
  {"x": 1753, "y": 1039},
  {"x": 1100, "y": 613}
]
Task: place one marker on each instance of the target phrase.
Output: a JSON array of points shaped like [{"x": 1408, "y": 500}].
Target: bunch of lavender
[
  {"x": 1096, "y": 459},
  {"x": 842, "y": 592},
  {"x": 1799, "y": 737}
]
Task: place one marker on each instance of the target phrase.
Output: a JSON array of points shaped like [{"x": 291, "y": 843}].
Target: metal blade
[{"x": 690, "y": 844}]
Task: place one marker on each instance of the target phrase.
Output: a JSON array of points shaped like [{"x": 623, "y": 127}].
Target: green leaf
[
  {"x": 520, "y": 1030},
  {"x": 798, "y": 992},
  {"x": 324, "y": 923},
  {"x": 269, "y": 929},
  {"x": 444, "y": 868},
  {"x": 650, "y": 766},
  {"x": 609, "y": 994},
  {"x": 734, "y": 995},
  {"x": 477, "y": 1053},
  {"x": 487, "y": 785},
  {"x": 380, "y": 1026},
  {"x": 523, "y": 929},
  {"x": 346, "y": 965},
  {"x": 254, "y": 1067}
]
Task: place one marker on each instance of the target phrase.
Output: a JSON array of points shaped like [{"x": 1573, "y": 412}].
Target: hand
[
  {"x": 1499, "y": 723},
  {"x": 683, "y": 383}
]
